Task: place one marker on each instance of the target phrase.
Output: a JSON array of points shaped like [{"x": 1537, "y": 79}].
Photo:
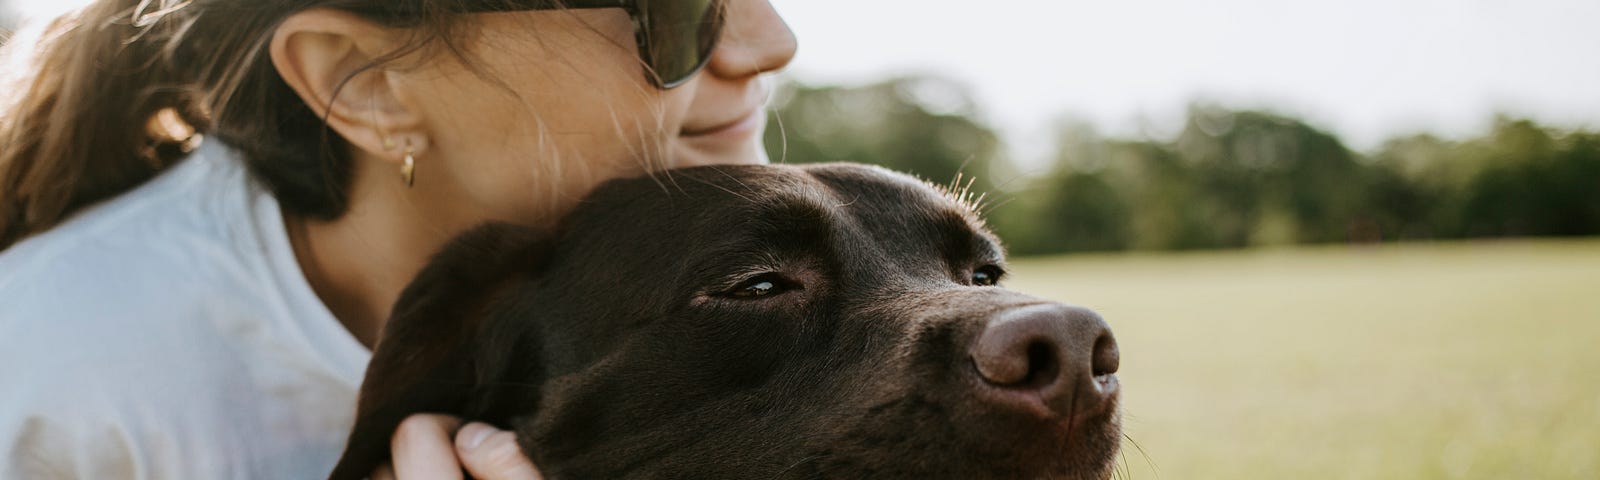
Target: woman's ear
[{"x": 332, "y": 59}]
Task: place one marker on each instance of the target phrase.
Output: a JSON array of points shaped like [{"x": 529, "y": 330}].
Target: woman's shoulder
[
  {"x": 146, "y": 259},
  {"x": 180, "y": 227},
  {"x": 196, "y": 201},
  {"x": 197, "y": 254}
]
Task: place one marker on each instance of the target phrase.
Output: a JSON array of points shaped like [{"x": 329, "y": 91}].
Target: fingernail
[{"x": 475, "y": 434}]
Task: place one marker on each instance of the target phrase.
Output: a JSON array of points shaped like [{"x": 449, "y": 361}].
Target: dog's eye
[
  {"x": 760, "y": 286},
  {"x": 987, "y": 276}
]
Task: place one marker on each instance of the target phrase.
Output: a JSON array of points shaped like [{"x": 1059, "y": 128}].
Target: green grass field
[{"x": 1423, "y": 361}]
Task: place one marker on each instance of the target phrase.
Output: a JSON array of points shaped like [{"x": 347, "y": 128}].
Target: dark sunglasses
[{"x": 675, "y": 37}]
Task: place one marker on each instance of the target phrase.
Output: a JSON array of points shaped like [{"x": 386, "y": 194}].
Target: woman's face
[{"x": 551, "y": 103}]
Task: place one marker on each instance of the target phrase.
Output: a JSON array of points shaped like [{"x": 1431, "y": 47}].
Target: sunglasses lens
[{"x": 680, "y": 35}]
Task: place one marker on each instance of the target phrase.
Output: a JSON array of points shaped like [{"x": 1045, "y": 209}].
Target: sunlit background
[
  {"x": 1366, "y": 69},
  {"x": 1337, "y": 239}
]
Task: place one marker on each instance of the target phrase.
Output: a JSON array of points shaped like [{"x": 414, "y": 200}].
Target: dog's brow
[
  {"x": 722, "y": 268},
  {"x": 773, "y": 236},
  {"x": 742, "y": 257},
  {"x": 966, "y": 236}
]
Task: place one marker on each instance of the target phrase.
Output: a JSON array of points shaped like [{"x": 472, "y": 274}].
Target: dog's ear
[{"x": 425, "y": 361}]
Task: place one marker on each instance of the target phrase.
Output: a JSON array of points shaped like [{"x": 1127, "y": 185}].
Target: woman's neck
[
  {"x": 359, "y": 263},
  {"x": 351, "y": 285}
]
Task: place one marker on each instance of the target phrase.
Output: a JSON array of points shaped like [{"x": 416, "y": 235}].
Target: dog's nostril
[
  {"x": 1042, "y": 363},
  {"x": 1008, "y": 365},
  {"x": 1021, "y": 349},
  {"x": 1106, "y": 357}
]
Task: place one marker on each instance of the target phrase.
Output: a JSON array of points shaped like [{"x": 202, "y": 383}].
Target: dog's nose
[{"x": 1052, "y": 357}]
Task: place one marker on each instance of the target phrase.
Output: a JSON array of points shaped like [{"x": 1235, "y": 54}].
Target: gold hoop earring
[{"x": 408, "y": 170}]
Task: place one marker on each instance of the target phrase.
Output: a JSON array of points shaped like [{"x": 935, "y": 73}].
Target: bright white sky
[{"x": 1365, "y": 69}]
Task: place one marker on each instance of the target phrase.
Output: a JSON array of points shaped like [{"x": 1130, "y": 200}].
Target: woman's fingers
[
  {"x": 422, "y": 449},
  {"x": 491, "y": 454}
]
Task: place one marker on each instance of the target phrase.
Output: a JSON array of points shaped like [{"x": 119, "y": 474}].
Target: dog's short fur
[{"x": 619, "y": 345}]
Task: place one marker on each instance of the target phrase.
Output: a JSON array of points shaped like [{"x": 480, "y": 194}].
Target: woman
[{"x": 179, "y": 307}]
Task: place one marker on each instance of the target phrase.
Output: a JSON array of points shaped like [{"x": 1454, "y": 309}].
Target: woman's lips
[{"x": 738, "y": 129}]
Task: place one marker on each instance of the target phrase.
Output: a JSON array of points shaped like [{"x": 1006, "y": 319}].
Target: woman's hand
[{"x": 422, "y": 449}]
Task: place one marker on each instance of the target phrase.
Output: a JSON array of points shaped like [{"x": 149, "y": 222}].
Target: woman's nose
[{"x": 754, "y": 40}]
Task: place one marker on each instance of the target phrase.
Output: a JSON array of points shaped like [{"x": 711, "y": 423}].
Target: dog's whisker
[
  {"x": 1127, "y": 470},
  {"x": 1147, "y": 460},
  {"x": 1002, "y": 204},
  {"x": 1001, "y": 193},
  {"x": 964, "y": 164}
]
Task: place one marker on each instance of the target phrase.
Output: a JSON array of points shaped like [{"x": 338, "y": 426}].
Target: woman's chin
[{"x": 692, "y": 152}]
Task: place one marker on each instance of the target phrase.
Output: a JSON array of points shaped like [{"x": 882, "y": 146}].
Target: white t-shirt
[{"x": 170, "y": 334}]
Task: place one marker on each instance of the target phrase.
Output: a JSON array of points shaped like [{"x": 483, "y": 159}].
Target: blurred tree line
[{"x": 1230, "y": 179}]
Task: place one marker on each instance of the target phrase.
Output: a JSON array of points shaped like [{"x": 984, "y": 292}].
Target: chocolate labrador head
[{"x": 828, "y": 321}]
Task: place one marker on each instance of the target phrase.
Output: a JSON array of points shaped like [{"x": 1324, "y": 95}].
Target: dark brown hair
[{"x": 106, "y": 97}]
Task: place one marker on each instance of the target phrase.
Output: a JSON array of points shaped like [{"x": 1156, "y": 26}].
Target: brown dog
[{"x": 827, "y": 321}]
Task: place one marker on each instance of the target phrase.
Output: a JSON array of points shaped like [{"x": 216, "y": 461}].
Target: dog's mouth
[{"x": 1082, "y": 448}]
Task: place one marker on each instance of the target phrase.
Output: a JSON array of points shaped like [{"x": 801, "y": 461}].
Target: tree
[
  {"x": 1230, "y": 179},
  {"x": 923, "y": 125}
]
